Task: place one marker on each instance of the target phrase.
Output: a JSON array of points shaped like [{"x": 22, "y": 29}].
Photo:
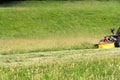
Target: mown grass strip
[{"x": 81, "y": 64}]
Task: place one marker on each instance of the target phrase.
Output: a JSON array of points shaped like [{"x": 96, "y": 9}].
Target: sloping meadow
[
  {"x": 44, "y": 40},
  {"x": 33, "y": 26},
  {"x": 58, "y": 19}
]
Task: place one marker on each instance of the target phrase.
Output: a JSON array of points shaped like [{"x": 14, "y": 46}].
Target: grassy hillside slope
[
  {"x": 28, "y": 28},
  {"x": 33, "y": 26},
  {"x": 58, "y": 19}
]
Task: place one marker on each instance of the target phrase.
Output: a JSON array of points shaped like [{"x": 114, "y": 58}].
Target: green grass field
[
  {"x": 50, "y": 25},
  {"x": 58, "y": 19},
  {"x": 53, "y": 40},
  {"x": 90, "y": 64}
]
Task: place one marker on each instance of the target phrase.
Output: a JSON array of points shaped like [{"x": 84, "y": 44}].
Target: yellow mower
[{"x": 110, "y": 41}]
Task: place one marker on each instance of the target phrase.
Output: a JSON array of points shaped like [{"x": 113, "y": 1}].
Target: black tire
[
  {"x": 95, "y": 45},
  {"x": 117, "y": 43}
]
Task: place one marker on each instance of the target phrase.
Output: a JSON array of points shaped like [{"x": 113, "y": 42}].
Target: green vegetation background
[
  {"x": 29, "y": 27},
  {"x": 53, "y": 19}
]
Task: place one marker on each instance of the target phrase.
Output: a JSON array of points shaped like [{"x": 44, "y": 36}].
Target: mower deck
[
  {"x": 106, "y": 45},
  {"x": 110, "y": 41}
]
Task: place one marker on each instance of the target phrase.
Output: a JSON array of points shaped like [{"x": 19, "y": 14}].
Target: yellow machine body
[{"x": 106, "y": 45}]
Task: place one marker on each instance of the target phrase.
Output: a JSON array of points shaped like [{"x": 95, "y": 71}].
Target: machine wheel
[
  {"x": 117, "y": 43},
  {"x": 96, "y": 46}
]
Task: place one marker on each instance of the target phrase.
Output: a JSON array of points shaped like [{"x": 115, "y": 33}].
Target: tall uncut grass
[{"x": 27, "y": 46}]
